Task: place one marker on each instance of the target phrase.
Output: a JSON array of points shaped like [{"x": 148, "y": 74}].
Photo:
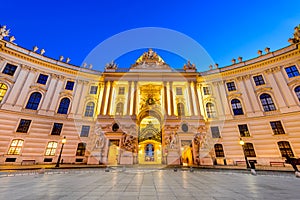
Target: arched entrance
[{"x": 150, "y": 139}]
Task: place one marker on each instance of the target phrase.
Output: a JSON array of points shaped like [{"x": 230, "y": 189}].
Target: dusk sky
[{"x": 225, "y": 29}]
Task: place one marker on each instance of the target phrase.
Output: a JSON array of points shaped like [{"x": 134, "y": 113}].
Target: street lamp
[
  {"x": 63, "y": 142},
  {"x": 242, "y": 144}
]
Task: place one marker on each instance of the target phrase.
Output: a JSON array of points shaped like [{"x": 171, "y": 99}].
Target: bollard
[
  {"x": 191, "y": 169},
  {"x": 106, "y": 169},
  {"x": 252, "y": 166},
  {"x": 175, "y": 169}
]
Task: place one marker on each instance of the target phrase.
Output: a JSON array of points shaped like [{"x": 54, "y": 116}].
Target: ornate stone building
[{"x": 149, "y": 113}]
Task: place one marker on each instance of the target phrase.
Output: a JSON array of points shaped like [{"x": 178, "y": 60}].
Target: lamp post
[
  {"x": 242, "y": 144},
  {"x": 63, "y": 141}
]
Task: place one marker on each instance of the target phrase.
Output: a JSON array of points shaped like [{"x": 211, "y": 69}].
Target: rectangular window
[
  {"x": 93, "y": 89},
  {"x": 121, "y": 90},
  {"x": 56, "y": 129},
  {"x": 81, "y": 149},
  {"x": 219, "y": 150},
  {"x": 51, "y": 149},
  {"x": 23, "y": 126},
  {"x": 292, "y": 71},
  {"x": 215, "y": 132},
  {"x": 42, "y": 79},
  {"x": 69, "y": 85},
  {"x": 244, "y": 132},
  {"x": 9, "y": 69},
  {"x": 178, "y": 91},
  {"x": 206, "y": 91},
  {"x": 277, "y": 127},
  {"x": 231, "y": 86},
  {"x": 85, "y": 130},
  {"x": 259, "y": 80},
  {"x": 15, "y": 147}
]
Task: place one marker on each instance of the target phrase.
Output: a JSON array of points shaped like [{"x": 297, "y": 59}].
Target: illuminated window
[
  {"x": 236, "y": 107},
  {"x": 219, "y": 150},
  {"x": 267, "y": 102},
  {"x": 285, "y": 149},
  {"x": 93, "y": 89},
  {"x": 3, "y": 90},
  {"x": 244, "y": 132},
  {"x": 249, "y": 150},
  {"x": 259, "y": 80},
  {"x": 119, "y": 108},
  {"x": 215, "y": 132},
  {"x": 85, "y": 130},
  {"x": 89, "y": 109},
  {"x": 81, "y": 149},
  {"x": 51, "y": 149},
  {"x": 178, "y": 91},
  {"x": 34, "y": 101},
  {"x": 42, "y": 79},
  {"x": 56, "y": 129},
  {"x": 15, "y": 147},
  {"x": 9, "y": 69},
  {"x": 121, "y": 90},
  {"x": 297, "y": 91},
  {"x": 23, "y": 126},
  {"x": 180, "y": 109},
  {"x": 277, "y": 127},
  {"x": 206, "y": 91},
  {"x": 292, "y": 71},
  {"x": 210, "y": 110},
  {"x": 231, "y": 86},
  {"x": 63, "y": 106},
  {"x": 69, "y": 85}
]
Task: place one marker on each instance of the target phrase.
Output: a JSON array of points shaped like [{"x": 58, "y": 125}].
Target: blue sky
[{"x": 226, "y": 29}]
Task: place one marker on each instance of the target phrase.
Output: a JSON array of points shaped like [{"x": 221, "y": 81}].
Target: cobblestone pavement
[{"x": 131, "y": 184}]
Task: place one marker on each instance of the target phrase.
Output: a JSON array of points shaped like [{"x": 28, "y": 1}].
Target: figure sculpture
[{"x": 3, "y": 32}]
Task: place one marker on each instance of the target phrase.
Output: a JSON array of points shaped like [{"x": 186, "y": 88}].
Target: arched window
[
  {"x": 63, "y": 106},
  {"x": 89, "y": 109},
  {"x": 180, "y": 109},
  {"x": 3, "y": 90},
  {"x": 119, "y": 108},
  {"x": 81, "y": 149},
  {"x": 51, "y": 149},
  {"x": 297, "y": 91},
  {"x": 34, "y": 101},
  {"x": 15, "y": 147},
  {"x": 249, "y": 150},
  {"x": 219, "y": 150},
  {"x": 210, "y": 110},
  {"x": 267, "y": 102},
  {"x": 237, "y": 107},
  {"x": 285, "y": 149}
]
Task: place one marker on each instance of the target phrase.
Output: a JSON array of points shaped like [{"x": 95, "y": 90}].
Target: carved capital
[{"x": 26, "y": 67}]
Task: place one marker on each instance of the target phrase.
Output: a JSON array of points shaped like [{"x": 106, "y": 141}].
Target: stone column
[
  {"x": 253, "y": 97},
  {"x": 49, "y": 94},
  {"x": 77, "y": 97},
  {"x": 200, "y": 99},
  {"x": 197, "y": 107},
  {"x": 82, "y": 103},
  {"x": 109, "y": 98},
  {"x": 135, "y": 97},
  {"x": 54, "y": 101},
  {"x": 128, "y": 98},
  {"x": 248, "y": 109},
  {"x": 104, "y": 96},
  {"x": 172, "y": 98},
  {"x": 165, "y": 98},
  {"x": 191, "y": 99}
]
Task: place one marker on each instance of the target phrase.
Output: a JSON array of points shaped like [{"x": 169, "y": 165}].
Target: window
[
  {"x": 180, "y": 109},
  {"x": 121, "y": 90},
  {"x": 34, "y": 101},
  {"x": 292, "y": 71},
  {"x": 89, "y": 109},
  {"x": 51, "y": 149},
  {"x": 185, "y": 127},
  {"x": 231, "y": 86},
  {"x": 285, "y": 149},
  {"x": 267, "y": 102},
  {"x": 244, "y": 132},
  {"x": 277, "y": 127},
  {"x": 249, "y": 150},
  {"x": 115, "y": 127},
  {"x": 15, "y": 147},
  {"x": 63, "y": 106},
  {"x": 85, "y": 130},
  {"x": 206, "y": 91},
  {"x": 3, "y": 90},
  {"x": 297, "y": 91},
  {"x": 210, "y": 110},
  {"x": 93, "y": 89},
  {"x": 56, "y": 129},
  {"x": 219, "y": 150},
  {"x": 9, "y": 69},
  {"x": 236, "y": 107},
  {"x": 119, "y": 108},
  {"x": 42, "y": 79},
  {"x": 23, "y": 126},
  {"x": 215, "y": 132},
  {"x": 81, "y": 149},
  {"x": 69, "y": 85},
  {"x": 259, "y": 80},
  {"x": 178, "y": 91}
]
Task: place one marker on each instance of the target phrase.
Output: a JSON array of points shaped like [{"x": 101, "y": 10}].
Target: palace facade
[{"x": 149, "y": 113}]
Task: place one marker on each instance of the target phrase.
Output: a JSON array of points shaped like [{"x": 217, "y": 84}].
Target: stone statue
[
  {"x": 3, "y": 32},
  {"x": 189, "y": 66},
  {"x": 199, "y": 139},
  {"x": 128, "y": 142},
  {"x": 171, "y": 140},
  {"x": 100, "y": 140},
  {"x": 111, "y": 65},
  {"x": 296, "y": 35}
]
